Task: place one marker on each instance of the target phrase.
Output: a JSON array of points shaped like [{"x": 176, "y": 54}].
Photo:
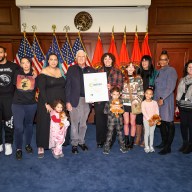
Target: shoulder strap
[{"x": 130, "y": 93}]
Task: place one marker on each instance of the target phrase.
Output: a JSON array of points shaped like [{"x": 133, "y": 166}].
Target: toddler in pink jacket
[{"x": 58, "y": 128}]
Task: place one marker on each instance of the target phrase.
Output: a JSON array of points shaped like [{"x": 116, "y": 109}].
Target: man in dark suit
[{"x": 75, "y": 101}]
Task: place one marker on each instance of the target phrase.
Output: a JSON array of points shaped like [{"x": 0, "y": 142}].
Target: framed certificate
[{"x": 95, "y": 85}]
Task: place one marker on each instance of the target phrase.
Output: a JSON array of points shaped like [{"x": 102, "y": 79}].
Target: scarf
[{"x": 186, "y": 81}]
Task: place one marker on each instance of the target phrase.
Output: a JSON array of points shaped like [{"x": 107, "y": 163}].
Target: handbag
[{"x": 135, "y": 107}]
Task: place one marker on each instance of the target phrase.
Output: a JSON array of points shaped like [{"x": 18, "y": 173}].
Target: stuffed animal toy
[
  {"x": 116, "y": 107},
  {"x": 154, "y": 120},
  {"x": 61, "y": 116}
]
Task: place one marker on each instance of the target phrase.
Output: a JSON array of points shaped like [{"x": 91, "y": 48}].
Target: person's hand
[
  {"x": 160, "y": 102},
  {"x": 34, "y": 74},
  {"x": 69, "y": 106},
  {"x": 48, "y": 107},
  {"x": 177, "y": 110},
  {"x": 134, "y": 102},
  {"x": 109, "y": 86}
]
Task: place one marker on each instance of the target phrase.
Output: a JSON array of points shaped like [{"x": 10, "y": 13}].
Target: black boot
[
  {"x": 171, "y": 134},
  {"x": 188, "y": 149},
  {"x": 131, "y": 142},
  {"x": 163, "y": 131},
  {"x": 126, "y": 141}
]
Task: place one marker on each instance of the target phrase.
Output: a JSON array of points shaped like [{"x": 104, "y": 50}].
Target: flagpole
[
  {"x": 34, "y": 28},
  {"x": 53, "y": 28},
  {"x": 83, "y": 45},
  {"x": 24, "y": 25},
  {"x": 66, "y": 28}
]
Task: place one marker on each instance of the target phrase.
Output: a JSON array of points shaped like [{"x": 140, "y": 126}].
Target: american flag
[
  {"x": 39, "y": 56},
  {"x": 24, "y": 50},
  {"x": 67, "y": 53},
  {"x": 54, "y": 48},
  {"x": 79, "y": 46}
]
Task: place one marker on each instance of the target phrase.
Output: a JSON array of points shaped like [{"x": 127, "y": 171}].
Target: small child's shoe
[
  {"x": 106, "y": 151},
  {"x": 146, "y": 149},
  {"x": 123, "y": 149},
  {"x": 61, "y": 155},
  {"x": 152, "y": 150}
]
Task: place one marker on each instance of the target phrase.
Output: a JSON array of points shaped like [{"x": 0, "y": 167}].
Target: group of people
[{"x": 61, "y": 107}]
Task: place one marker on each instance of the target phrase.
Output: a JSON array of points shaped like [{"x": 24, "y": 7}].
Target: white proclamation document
[{"x": 95, "y": 85}]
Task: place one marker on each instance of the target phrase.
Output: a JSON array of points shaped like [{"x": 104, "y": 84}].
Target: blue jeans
[{"x": 23, "y": 116}]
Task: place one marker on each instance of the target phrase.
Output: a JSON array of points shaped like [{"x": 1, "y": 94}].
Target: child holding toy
[
  {"x": 114, "y": 111},
  {"x": 151, "y": 117},
  {"x": 58, "y": 128}
]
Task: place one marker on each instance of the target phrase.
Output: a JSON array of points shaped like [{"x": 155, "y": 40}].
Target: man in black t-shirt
[{"x": 7, "y": 71}]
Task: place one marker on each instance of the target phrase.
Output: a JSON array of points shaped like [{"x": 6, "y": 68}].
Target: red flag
[
  {"x": 145, "y": 46},
  {"x": 124, "y": 57},
  {"x": 136, "y": 53},
  {"x": 96, "y": 62},
  {"x": 113, "y": 50}
]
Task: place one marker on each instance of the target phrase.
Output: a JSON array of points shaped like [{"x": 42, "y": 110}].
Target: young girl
[
  {"x": 149, "y": 108},
  {"x": 133, "y": 83},
  {"x": 58, "y": 128}
]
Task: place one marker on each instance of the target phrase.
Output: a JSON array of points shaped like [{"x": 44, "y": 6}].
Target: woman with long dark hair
[{"x": 51, "y": 84}]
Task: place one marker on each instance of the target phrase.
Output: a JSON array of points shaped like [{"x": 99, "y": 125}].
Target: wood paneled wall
[{"x": 170, "y": 27}]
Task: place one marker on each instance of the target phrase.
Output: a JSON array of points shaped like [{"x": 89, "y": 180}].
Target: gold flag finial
[
  {"x": 113, "y": 29},
  {"x": 136, "y": 29},
  {"x": 99, "y": 31},
  {"x": 147, "y": 29},
  {"x": 66, "y": 28},
  {"x": 125, "y": 30},
  {"x": 24, "y": 25},
  {"x": 54, "y": 28},
  {"x": 34, "y": 28}
]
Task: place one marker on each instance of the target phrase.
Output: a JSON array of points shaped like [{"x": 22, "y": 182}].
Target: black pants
[
  {"x": 167, "y": 130},
  {"x": 6, "y": 119},
  {"x": 186, "y": 126},
  {"x": 101, "y": 124}
]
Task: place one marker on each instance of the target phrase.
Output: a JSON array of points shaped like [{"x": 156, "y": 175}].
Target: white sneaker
[
  {"x": 146, "y": 149},
  {"x": 8, "y": 149},
  {"x": 152, "y": 149},
  {"x": 1, "y": 148}
]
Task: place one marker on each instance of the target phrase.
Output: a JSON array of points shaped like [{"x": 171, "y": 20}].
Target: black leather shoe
[
  {"x": 19, "y": 155},
  {"x": 83, "y": 147},
  {"x": 165, "y": 151},
  {"x": 29, "y": 149},
  {"x": 99, "y": 145},
  {"x": 160, "y": 146},
  {"x": 188, "y": 149},
  {"x": 182, "y": 148},
  {"x": 75, "y": 150}
]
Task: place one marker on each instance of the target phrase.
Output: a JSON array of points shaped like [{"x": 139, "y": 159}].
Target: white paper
[{"x": 95, "y": 85}]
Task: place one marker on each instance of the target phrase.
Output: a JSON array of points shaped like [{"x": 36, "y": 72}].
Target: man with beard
[{"x": 7, "y": 71}]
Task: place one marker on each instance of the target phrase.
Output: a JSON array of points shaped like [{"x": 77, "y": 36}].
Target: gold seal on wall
[{"x": 83, "y": 21}]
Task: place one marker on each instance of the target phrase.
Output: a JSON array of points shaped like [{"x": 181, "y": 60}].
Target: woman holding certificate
[{"x": 114, "y": 78}]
